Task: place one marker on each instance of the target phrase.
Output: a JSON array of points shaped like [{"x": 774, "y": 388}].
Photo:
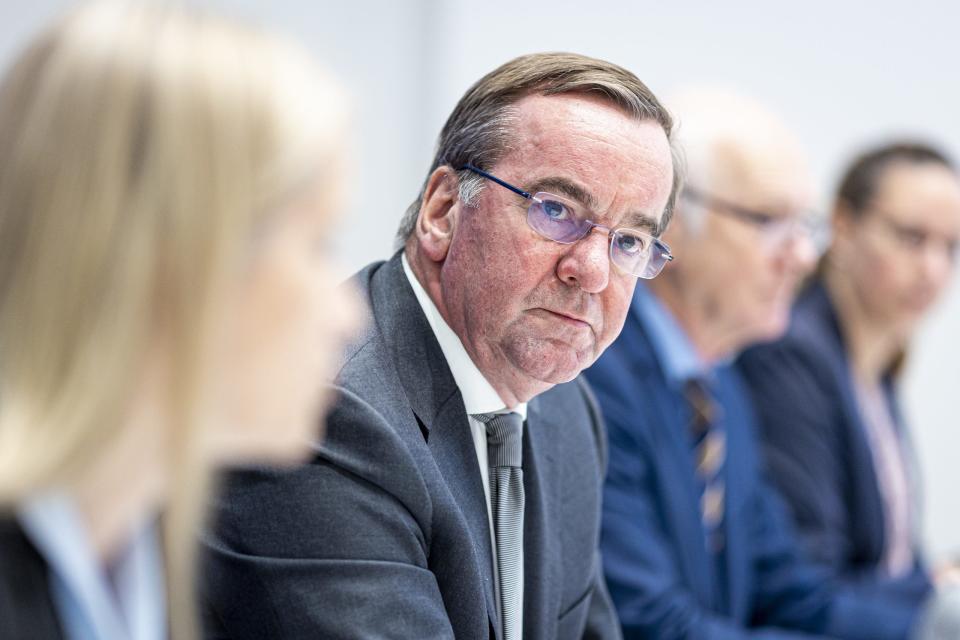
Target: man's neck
[{"x": 713, "y": 341}]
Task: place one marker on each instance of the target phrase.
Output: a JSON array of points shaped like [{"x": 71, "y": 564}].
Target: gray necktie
[{"x": 504, "y": 457}]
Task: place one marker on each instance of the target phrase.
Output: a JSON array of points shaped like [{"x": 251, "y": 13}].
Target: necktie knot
[
  {"x": 504, "y": 438},
  {"x": 702, "y": 405}
]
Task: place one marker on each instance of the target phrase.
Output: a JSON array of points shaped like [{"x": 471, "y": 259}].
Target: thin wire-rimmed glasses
[
  {"x": 775, "y": 230},
  {"x": 559, "y": 219}
]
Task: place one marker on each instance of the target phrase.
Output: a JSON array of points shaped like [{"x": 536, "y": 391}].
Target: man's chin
[{"x": 552, "y": 369}]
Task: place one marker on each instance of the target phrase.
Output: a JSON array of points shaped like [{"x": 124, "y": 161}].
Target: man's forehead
[
  {"x": 648, "y": 221},
  {"x": 773, "y": 178},
  {"x": 567, "y": 113},
  {"x": 564, "y": 143}
]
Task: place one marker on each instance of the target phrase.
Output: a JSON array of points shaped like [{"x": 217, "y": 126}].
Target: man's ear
[{"x": 438, "y": 214}]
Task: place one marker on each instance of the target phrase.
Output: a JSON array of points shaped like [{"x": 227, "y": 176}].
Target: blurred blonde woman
[{"x": 166, "y": 187}]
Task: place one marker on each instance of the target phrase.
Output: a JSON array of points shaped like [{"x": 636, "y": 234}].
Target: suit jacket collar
[
  {"x": 437, "y": 405},
  {"x": 817, "y": 313},
  {"x": 677, "y": 357},
  {"x": 478, "y": 394},
  {"x": 675, "y": 466}
]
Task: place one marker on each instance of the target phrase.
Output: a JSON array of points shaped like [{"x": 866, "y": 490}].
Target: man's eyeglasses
[
  {"x": 558, "y": 219},
  {"x": 775, "y": 230}
]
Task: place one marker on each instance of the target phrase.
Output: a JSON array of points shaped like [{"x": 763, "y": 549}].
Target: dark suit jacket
[
  {"x": 817, "y": 450},
  {"x": 27, "y": 612},
  {"x": 385, "y": 533},
  {"x": 664, "y": 582}
]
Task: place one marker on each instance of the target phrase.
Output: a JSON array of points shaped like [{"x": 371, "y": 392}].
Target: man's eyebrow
[
  {"x": 643, "y": 222},
  {"x": 564, "y": 187}
]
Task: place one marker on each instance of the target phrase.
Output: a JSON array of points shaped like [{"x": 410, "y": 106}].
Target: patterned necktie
[
  {"x": 504, "y": 458},
  {"x": 710, "y": 452}
]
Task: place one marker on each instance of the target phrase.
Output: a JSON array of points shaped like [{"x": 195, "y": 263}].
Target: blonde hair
[{"x": 140, "y": 148}]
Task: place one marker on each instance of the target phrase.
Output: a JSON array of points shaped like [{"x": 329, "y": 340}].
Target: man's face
[
  {"x": 742, "y": 274},
  {"x": 532, "y": 312}
]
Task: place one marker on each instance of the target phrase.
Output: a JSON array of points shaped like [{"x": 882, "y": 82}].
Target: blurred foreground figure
[
  {"x": 695, "y": 543},
  {"x": 458, "y": 491},
  {"x": 165, "y": 181},
  {"x": 832, "y": 430}
]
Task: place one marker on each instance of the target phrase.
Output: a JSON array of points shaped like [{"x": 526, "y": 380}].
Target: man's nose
[{"x": 586, "y": 263}]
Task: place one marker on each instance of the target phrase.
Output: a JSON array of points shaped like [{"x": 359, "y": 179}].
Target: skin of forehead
[
  {"x": 750, "y": 157},
  {"x": 530, "y": 123}
]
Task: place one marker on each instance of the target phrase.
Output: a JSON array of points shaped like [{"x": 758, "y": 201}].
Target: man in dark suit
[
  {"x": 457, "y": 492},
  {"x": 695, "y": 543}
]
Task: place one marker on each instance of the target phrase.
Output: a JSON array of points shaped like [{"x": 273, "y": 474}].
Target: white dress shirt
[{"x": 478, "y": 396}]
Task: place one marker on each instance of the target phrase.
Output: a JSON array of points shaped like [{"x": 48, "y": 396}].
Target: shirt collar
[
  {"x": 80, "y": 588},
  {"x": 672, "y": 346},
  {"x": 478, "y": 394}
]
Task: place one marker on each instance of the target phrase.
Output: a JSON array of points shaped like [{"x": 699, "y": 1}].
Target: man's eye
[
  {"x": 630, "y": 244},
  {"x": 555, "y": 210},
  {"x": 765, "y": 220}
]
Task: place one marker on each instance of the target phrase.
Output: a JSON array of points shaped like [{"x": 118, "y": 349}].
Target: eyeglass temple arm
[
  {"x": 506, "y": 185},
  {"x": 725, "y": 206}
]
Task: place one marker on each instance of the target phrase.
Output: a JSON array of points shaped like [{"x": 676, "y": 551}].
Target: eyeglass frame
[
  {"x": 656, "y": 243},
  {"x": 817, "y": 233}
]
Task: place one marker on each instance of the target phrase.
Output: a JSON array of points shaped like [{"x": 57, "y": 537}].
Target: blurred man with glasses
[
  {"x": 457, "y": 493},
  {"x": 695, "y": 543}
]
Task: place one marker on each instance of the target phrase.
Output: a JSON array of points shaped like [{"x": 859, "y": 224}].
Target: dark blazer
[
  {"x": 664, "y": 582},
  {"x": 817, "y": 450},
  {"x": 27, "y": 611},
  {"x": 385, "y": 533}
]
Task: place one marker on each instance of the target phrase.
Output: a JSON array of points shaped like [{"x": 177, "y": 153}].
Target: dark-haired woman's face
[{"x": 901, "y": 250}]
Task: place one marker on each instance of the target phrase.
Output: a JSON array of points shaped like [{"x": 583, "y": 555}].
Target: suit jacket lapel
[
  {"x": 680, "y": 496},
  {"x": 870, "y": 510},
  {"x": 438, "y": 406},
  {"x": 452, "y": 446}
]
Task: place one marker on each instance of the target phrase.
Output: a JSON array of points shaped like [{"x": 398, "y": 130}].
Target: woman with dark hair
[{"x": 833, "y": 434}]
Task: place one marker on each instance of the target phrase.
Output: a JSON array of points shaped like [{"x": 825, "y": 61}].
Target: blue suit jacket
[
  {"x": 663, "y": 581},
  {"x": 817, "y": 450}
]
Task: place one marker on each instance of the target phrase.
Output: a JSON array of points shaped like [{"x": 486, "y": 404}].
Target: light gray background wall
[{"x": 843, "y": 74}]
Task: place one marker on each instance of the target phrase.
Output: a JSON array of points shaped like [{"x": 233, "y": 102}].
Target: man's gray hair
[
  {"x": 478, "y": 131},
  {"x": 715, "y": 126}
]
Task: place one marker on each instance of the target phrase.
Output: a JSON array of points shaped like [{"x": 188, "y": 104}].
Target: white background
[{"x": 842, "y": 74}]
